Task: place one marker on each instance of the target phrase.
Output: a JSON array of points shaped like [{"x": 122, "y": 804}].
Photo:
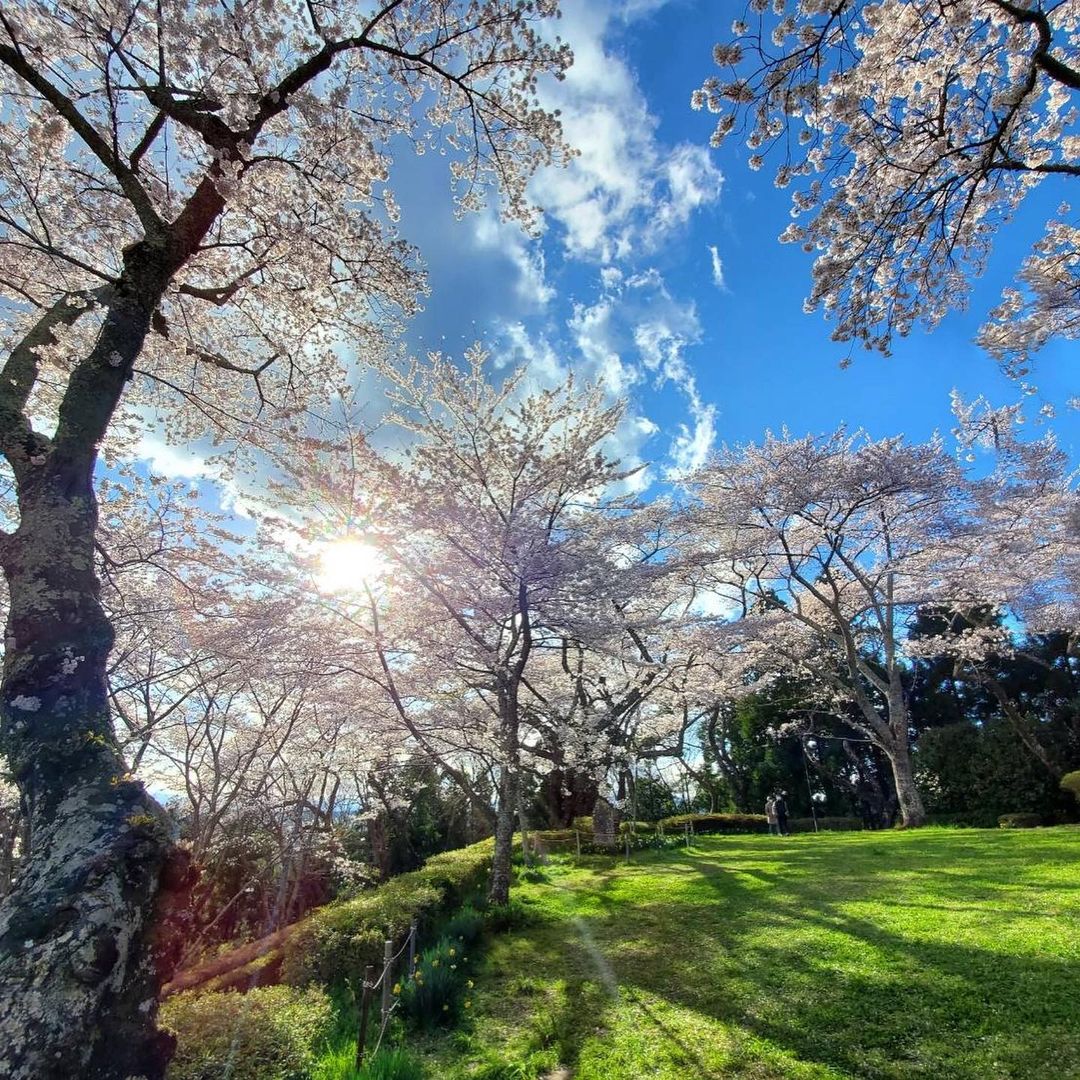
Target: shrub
[
  {"x": 388, "y": 1064},
  {"x": 718, "y": 823},
  {"x": 635, "y": 842},
  {"x": 554, "y": 836},
  {"x": 337, "y": 942},
  {"x": 465, "y": 925},
  {"x": 271, "y": 1033},
  {"x": 1019, "y": 821},
  {"x": 1071, "y": 782},
  {"x": 825, "y": 824},
  {"x": 637, "y": 827},
  {"x": 513, "y": 915},
  {"x": 554, "y": 842},
  {"x": 460, "y": 874},
  {"x": 431, "y": 996}
]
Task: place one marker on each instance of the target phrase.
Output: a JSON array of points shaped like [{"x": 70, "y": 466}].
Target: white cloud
[
  {"x": 689, "y": 181},
  {"x": 691, "y": 447},
  {"x": 597, "y": 333},
  {"x": 717, "y": 268},
  {"x": 635, "y": 9},
  {"x": 626, "y": 191},
  {"x": 516, "y": 349},
  {"x": 490, "y": 233},
  {"x": 642, "y": 312},
  {"x": 611, "y": 277},
  {"x": 635, "y": 335},
  {"x": 171, "y": 462}
]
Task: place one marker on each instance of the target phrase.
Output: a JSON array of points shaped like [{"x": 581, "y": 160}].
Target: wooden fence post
[
  {"x": 365, "y": 1005},
  {"x": 688, "y": 836},
  {"x": 387, "y": 977},
  {"x": 412, "y": 949}
]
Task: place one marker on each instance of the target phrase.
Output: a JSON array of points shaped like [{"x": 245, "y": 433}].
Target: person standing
[
  {"x": 780, "y": 810},
  {"x": 770, "y": 815}
]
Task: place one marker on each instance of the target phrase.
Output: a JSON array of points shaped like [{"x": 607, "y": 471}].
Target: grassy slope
[{"x": 946, "y": 954}]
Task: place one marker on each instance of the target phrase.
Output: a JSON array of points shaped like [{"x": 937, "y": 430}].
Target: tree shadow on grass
[
  {"x": 824, "y": 952},
  {"x": 874, "y": 1002}
]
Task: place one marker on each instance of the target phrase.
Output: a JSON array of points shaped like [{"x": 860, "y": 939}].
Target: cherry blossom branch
[{"x": 133, "y": 189}]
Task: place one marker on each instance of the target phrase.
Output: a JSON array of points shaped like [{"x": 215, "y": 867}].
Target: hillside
[{"x": 888, "y": 955}]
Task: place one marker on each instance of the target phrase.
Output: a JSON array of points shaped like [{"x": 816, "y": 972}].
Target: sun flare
[{"x": 349, "y": 565}]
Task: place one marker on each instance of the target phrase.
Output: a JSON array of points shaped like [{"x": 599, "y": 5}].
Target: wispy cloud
[
  {"x": 490, "y": 233},
  {"x": 692, "y": 444},
  {"x": 632, "y": 340},
  {"x": 626, "y": 191},
  {"x": 717, "y": 268},
  {"x": 172, "y": 462}
]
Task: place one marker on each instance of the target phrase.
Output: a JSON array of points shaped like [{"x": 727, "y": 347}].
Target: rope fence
[
  {"x": 538, "y": 844},
  {"x": 388, "y": 1003}
]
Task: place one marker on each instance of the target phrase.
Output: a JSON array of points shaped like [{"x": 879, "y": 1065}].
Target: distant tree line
[{"x": 973, "y": 763}]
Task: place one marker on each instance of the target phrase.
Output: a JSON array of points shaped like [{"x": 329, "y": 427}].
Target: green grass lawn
[{"x": 933, "y": 953}]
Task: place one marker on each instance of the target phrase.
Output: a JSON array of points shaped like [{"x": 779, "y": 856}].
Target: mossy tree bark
[
  {"x": 499, "y": 887},
  {"x": 567, "y": 793},
  {"x": 912, "y": 811},
  {"x": 78, "y": 977}
]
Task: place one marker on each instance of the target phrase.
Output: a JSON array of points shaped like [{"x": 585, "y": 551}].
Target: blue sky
[{"x": 621, "y": 285}]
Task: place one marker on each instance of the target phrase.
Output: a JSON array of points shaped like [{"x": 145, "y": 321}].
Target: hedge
[
  {"x": 335, "y": 943},
  {"x": 637, "y": 826},
  {"x": 1071, "y": 782},
  {"x": 576, "y": 842},
  {"x": 717, "y": 823},
  {"x": 358, "y": 926},
  {"x": 272, "y": 1033},
  {"x": 754, "y": 823},
  {"x": 1019, "y": 821},
  {"x": 825, "y": 824},
  {"x": 969, "y": 819}
]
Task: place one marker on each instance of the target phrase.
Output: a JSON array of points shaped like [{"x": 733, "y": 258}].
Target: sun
[{"x": 349, "y": 565}]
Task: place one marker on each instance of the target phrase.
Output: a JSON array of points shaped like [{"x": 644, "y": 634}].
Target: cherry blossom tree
[
  {"x": 193, "y": 209},
  {"x": 600, "y": 708},
  {"x": 913, "y": 130},
  {"x": 825, "y": 548},
  {"x": 1021, "y": 565},
  {"x": 225, "y": 706},
  {"x": 229, "y": 704},
  {"x": 627, "y": 694},
  {"x": 503, "y": 549}
]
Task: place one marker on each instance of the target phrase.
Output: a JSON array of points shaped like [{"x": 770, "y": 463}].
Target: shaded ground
[{"x": 936, "y": 953}]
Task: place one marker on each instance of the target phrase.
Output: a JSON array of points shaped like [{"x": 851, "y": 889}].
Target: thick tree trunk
[
  {"x": 912, "y": 812},
  {"x": 78, "y": 984},
  {"x": 567, "y": 794},
  {"x": 499, "y": 888},
  {"x": 380, "y": 843},
  {"x": 898, "y": 748},
  {"x": 10, "y": 828},
  {"x": 75, "y": 930},
  {"x": 79, "y": 962},
  {"x": 605, "y": 822}
]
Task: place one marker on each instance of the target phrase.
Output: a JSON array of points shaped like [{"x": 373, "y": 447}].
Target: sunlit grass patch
[{"x": 890, "y": 955}]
